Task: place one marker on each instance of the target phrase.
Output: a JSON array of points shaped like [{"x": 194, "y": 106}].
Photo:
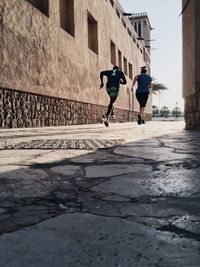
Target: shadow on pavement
[{"x": 153, "y": 183}]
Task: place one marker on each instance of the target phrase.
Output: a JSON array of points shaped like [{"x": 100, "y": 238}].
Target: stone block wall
[
  {"x": 192, "y": 112},
  {"x": 22, "y": 109}
]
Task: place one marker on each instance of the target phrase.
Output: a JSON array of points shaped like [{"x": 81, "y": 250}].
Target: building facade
[
  {"x": 51, "y": 54},
  {"x": 191, "y": 62}
]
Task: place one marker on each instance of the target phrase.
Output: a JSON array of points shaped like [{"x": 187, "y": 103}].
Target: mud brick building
[
  {"x": 191, "y": 62},
  {"x": 51, "y": 53}
]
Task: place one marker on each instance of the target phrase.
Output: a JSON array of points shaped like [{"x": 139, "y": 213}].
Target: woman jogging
[{"x": 144, "y": 82}]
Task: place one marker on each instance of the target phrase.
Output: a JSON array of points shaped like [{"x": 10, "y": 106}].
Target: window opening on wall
[
  {"x": 139, "y": 29},
  {"x": 42, "y": 5},
  {"x": 67, "y": 16},
  {"x": 120, "y": 59},
  {"x": 113, "y": 52},
  {"x": 125, "y": 66},
  {"x": 144, "y": 54},
  {"x": 92, "y": 33},
  {"x": 112, "y": 2},
  {"x": 130, "y": 68},
  {"x": 118, "y": 13},
  {"x": 129, "y": 32},
  {"x": 135, "y": 24},
  {"x": 124, "y": 23}
]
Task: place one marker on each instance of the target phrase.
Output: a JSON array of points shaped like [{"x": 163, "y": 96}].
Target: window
[
  {"x": 135, "y": 26},
  {"x": 113, "y": 53},
  {"x": 144, "y": 54},
  {"x": 112, "y": 3},
  {"x": 67, "y": 16},
  {"x": 118, "y": 13},
  {"x": 92, "y": 33},
  {"x": 129, "y": 32},
  {"x": 124, "y": 23},
  {"x": 119, "y": 59},
  {"x": 42, "y": 5},
  {"x": 130, "y": 68},
  {"x": 139, "y": 29},
  {"x": 125, "y": 65}
]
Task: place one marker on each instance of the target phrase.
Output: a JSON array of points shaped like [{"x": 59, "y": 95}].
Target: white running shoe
[
  {"x": 105, "y": 120},
  {"x": 112, "y": 116}
]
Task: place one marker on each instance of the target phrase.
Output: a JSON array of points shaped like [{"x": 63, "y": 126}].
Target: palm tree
[
  {"x": 155, "y": 110},
  {"x": 176, "y": 112},
  {"x": 158, "y": 87},
  {"x": 164, "y": 112}
]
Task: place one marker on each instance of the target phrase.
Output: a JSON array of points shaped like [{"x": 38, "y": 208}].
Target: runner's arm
[
  {"x": 102, "y": 73},
  {"x": 150, "y": 84},
  {"x": 123, "y": 79},
  {"x": 134, "y": 82}
]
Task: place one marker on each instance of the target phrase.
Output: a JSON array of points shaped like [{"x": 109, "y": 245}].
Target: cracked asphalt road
[{"x": 134, "y": 202}]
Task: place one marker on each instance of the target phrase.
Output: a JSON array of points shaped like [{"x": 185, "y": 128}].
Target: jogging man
[
  {"x": 144, "y": 82},
  {"x": 115, "y": 77}
]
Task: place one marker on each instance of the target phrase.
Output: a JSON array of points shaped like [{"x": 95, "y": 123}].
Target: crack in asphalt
[
  {"x": 182, "y": 233},
  {"x": 78, "y": 196}
]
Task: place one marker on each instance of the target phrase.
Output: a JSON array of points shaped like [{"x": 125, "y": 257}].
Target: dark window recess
[
  {"x": 117, "y": 12},
  {"x": 129, "y": 32},
  {"x": 125, "y": 66},
  {"x": 144, "y": 54},
  {"x": 112, "y": 2},
  {"x": 135, "y": 26},
  {"x": 120, "y": 59},
  {"x": 92, "y": 33},
  {"x": 139, "y": 29},
  {"x": 42, "y": 5},
  {"x": 67, "y": 16},
  {"x": 124, "y": 23},
  {"x": 113, "y": 53},
  {"x": 130, "y": 67}
]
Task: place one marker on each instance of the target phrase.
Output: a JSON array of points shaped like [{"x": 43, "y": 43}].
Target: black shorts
[
  {"x": 112, "y": 91},
  {"x": 142, "y": 99}
]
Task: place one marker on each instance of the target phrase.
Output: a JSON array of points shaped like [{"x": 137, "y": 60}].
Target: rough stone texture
[
  {"x": 39, "y": 57},
  {"x": 191, "y": 63},
  {"x": 192, "y": 112},
  {"x": 21, "y": 109}
]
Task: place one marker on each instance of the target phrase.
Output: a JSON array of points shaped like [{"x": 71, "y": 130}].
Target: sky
[{"x": 166, "y": 55}]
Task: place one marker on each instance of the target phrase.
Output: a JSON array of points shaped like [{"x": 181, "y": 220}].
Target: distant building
[
  {"x": 142, "y": 26},
  {"x": 51, "y": 53}
]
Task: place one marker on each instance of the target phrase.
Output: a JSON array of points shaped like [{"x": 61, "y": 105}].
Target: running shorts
[
  {"x": 142, "y": 99},
  {"x": 112, "y": 91}
]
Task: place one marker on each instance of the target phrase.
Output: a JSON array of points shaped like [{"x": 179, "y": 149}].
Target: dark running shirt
[
  {"x": 115, "y": 78},
  {"x": 143, "y": 81}
]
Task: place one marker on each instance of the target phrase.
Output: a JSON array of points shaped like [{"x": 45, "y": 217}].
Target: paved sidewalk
[{"x": 90, "y": 196}]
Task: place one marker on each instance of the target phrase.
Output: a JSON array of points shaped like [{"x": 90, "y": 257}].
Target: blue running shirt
[{"x": 143, "y": 81}]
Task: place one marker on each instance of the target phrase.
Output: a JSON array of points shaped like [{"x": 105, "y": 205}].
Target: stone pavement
[{"x": 90, "y": 196}]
